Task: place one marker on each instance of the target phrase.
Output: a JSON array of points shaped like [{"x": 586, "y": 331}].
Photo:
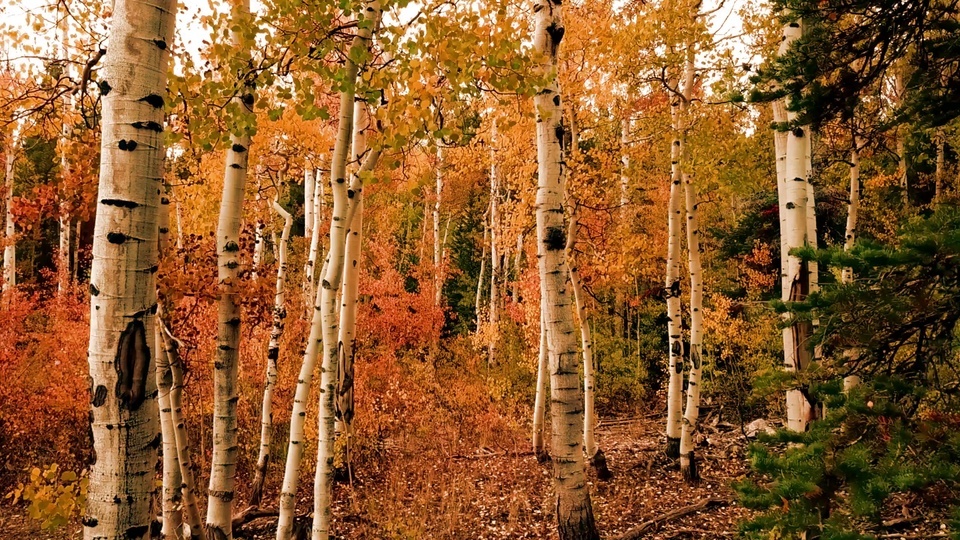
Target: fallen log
[{"x": 647, "y": 526}]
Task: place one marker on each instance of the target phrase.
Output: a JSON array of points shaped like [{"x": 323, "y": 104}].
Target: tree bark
[
  {"x": 226, "y": 368},
  {"x": 66, "y": 229},
  {"x": 574, "y": 511},
  {"x": 124, "y": 413},
  {"x": 437, "y": 244},
  {"x": 10, "y": 232},
  {"x": 688, "y": 464},
  {"x": 344, "y": 208},
  {"x": 478, "y": 308},
  {"x": 672, "y": 286},
  {"x": 492, "y": 315},
  {"x": 540, "y": 399},
  {"x": 310, "y": 280},
  {"x": 796, "y": 282},
  {"x": 273, "y": 354},
  {"x": 351, "y": 281},
  {"x": 624, "y": 162}
]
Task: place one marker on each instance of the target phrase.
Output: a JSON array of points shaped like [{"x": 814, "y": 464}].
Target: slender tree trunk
[
  {"x": 309, "y": 188},
  {"x": 226, "y": 367},
  {"x": 591, "y": 451},
  {"x": 172, "y": 516},
  {"x": 310, "y": 281},
  {"x": 351, "y": 282},
  {"x": 9, "y": 235},
  {"x": 124, "y": 413},
  {"x": 672, "y": 288},
  {"x": 344, "y": 209},
  {"x": 273, "y": 354},
  {"x": 258, "y": 239},
  {"x": 796, "y": 284},
  {"x": 63, "y": 263},
  {"x": 493, "y": 315},
  {"x": 624, "y": 162},
  {"x": 437, "y": 245},
  {"x": 179, "y": 212},
  {"x": 540, "y": 400},
  {"x": 518, "y": 271},
  {"x": 63, "y": 254},
  {"x": 574, "y": 510},
  {"x": 850, "y": 236},
  {"x": 901, "y": 143},
  {"x": 478, "y": 308},
  {"x": 938, "y": 140},
  {"x": 688, "y": 464}
]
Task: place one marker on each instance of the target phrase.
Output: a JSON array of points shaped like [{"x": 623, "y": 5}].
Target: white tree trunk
[
  {"x": 574, "y": 511},
  {"x": 938, "y": 140},
  {"x": 540, "y": 399},
  {"x": 901, "y": 143},
  {"x": 478, "y": 308},
  {"x": 351, "y": 281},
  {"x": 273, "y": 354},
  {"x": 172, "y": 516},
  {"x": 66, "y": 228},
  {"x": 344, "y": 208},
  {"x": 9, "y": 234},
  {"x": 309, "y": 189},
  {"x": 672, "y": 287},
  {"x": 797, "y": 355},
  {"x": 226, "y": 366},
  {"x": 624, "y": 162},
  {"x": 310, "y": 281},
  {"x": 437, "y": 244},
  {"x": 853, "y": 209},
  {"x": 124, "y": 414},
  {"x": 493, "y": 316}
]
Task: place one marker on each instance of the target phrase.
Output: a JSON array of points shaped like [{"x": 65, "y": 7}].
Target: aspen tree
[
  {"x": 309, "y": 188},
  {"x": 172, "y": 516},
  {"x": 850, "y": 235},
  {"x": 224, "y": 460},
  {"x": 938, "y": 141},
  {"x": 9, "y": 231},
  {"x": 672, "y": 286},
  {"x": 273, "y": 354},
  {"x": 478, "y": 308},
  {"x": 574, "y": 511},
  {"x": 124, "y": 414},
  {"x": 592, "y": 453},
  {"x": 351, "y": 281},
  {"x": 344, "y": 208},
  {"x": 688, "y": 467},
  {"x": 540, "y": 399},
  {"x": 310, "y": 280},
  {"x": 437, "y": 244},
  {"x": 64, "y": 221},
  {"x": 797, "y": 355},
  {"x": 492, "y": 315},
  {"x": 624, "y": 161}
]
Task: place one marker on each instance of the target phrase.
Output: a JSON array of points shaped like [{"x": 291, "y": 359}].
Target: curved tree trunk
[
  {"x": 478, "y": 308},
  {"x": 310, "y": 280},
  {"x": 351, "y": 282},
  {"x": 273, "y": 354},
  {"x": 574, "y": 511},
  {"x": 226, "y": 368},
  {"x": 124, "y": 415}
]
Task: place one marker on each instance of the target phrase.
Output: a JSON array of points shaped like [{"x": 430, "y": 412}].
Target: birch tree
[
  {"x": 492, "y": 314},
  {"x": 225, "y": 397},
  {"x": 309, "y": 280},
  {"x": 273, "y": 354},
  {"x": 124, "y": 413},
  {"x": 672, "y": 285},
  {"x": 574, "y": 510},
  {"x": 540, "y": 399}
]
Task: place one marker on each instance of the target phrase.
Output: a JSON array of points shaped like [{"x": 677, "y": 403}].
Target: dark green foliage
[
  {"x": 896, "y": 432},
  {"x": 849, "y": 45}
]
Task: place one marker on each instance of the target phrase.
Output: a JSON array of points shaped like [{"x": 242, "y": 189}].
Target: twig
[{"x": 645, "y": 527}]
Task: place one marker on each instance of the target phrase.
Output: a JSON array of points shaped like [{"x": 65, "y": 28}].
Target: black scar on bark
[
  {"x": 155, "y": 443},
  {"x": 560, "y": 132},
  {"x": 555, "y": 239},
  {"x": 239, "y": 148},
  {"x": 150, "y": 126},
  {"x": 129, "y": 146},
  {"x": 89, "y": 521},
  {"x": 235, "y": 166},
  {"x": 104, "y": 88},
  {"x": 99, "y": 395},
  {"x": 556, "y": 35},
  {"x": 231, "y": 247},
  {"x": 116, "y": 238},
  {"x": 119, "y": 202},
  {"x": 556, "y": 100},
  {"x": 247, "y": 100},
  {"x": 136, "y": 533},
  {"x": 132, "y": 362},
  {"x": 273, "y": 353},
  {"x": 161, "y": 44},
  {"x": 153, "y": 100},
  {"x": 94, "y": 291}
]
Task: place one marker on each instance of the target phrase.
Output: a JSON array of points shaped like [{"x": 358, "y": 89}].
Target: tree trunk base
[
  {"x": 673, "y": 447},
  {"x": 579, "y": 525},
  {"x": 689, "y": 469},
  {"x": 256, "y": 491},
  {"x": 542, "y": 455},
  {"x": 599, "y": 463}
]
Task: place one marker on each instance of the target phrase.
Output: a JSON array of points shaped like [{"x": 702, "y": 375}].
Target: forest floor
[{"x": 498, "y": 494}]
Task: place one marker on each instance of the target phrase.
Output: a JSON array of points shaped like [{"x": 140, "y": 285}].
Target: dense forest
[{"x": 394, "y": 269}]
